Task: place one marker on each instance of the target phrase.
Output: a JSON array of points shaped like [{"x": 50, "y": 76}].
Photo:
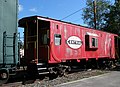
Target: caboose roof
[
  {"x": 30, "y": 18},
  {"x": 25, "y": 19}
]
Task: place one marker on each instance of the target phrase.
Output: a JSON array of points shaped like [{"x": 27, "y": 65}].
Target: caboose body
[{"x": 49, "y": 41}]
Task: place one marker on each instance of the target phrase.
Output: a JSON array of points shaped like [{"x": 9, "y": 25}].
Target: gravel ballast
[{"x": 67, "y": 78}]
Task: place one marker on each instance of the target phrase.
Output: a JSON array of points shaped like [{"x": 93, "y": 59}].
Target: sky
[{"x": 56, "y": 9}]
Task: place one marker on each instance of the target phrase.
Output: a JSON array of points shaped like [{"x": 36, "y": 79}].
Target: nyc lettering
[{"x": 74, "y": 42}]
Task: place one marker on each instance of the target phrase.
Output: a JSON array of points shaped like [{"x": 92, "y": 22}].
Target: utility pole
[{"x": 94, "y": 4}]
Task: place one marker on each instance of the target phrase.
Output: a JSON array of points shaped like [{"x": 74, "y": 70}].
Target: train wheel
[
  {"x": 53, "y": 73},
  {"x": 61, "y": 72},
  {"x": 4, "y": 76},
  {"x": 111, "y": 65},
  {"x": 53, "y": 76},
  {"x": 68, "y": 70}
]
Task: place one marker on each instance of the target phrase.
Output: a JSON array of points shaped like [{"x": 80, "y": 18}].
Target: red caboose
[{"x": 49, "y": 42}]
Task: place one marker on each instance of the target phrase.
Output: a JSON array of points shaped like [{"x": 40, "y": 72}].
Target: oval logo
[{"x": 74, "y": 42}]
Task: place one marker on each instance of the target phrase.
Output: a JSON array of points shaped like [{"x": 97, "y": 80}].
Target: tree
[
  {"x": 113, "y": 19},
  {"x": 101, "y": 9}
]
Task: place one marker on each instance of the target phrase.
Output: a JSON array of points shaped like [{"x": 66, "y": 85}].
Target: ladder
[{"x": 13, "y": 47}]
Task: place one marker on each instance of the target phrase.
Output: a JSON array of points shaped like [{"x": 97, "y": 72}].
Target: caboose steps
[
  {"x": 41, "y": 64},
  {"x": 42, "y": 73},
  {"x": 42, "y": 68}
]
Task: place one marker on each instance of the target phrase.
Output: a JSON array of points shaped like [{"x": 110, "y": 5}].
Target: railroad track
[{"x": 20, "y": 81}]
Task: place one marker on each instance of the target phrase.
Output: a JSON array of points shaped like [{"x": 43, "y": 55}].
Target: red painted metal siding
[{"x": 64, "y": 52}]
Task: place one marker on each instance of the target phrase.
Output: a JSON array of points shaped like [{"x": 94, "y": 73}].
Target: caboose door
[
  {"x": 43, "y": 45},
  {"x": 43, "y": 41}
]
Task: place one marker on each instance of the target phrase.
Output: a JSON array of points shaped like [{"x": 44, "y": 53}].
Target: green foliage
[
  {"x": 101, "y": 9},
  {"x": 113, "y": 19}
]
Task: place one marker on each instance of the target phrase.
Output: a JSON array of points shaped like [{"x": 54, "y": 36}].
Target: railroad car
[
  {"x": 8, "y": 38},
  {"x": 52, "y": 46}
]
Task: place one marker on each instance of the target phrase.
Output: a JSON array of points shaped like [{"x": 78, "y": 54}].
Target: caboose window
[
  {"x": 44, "y": 38},
  {"x": 94, "y": 42},
  {"x": 57, "y": 39},
  {"x": 57, "y": 26}
]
